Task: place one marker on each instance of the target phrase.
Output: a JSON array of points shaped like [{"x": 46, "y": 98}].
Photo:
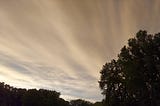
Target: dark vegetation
[
  {"x": 134, "y": 78},
  {"x": 10, "y": 96}
]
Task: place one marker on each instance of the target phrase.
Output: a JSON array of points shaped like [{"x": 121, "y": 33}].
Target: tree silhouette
[
  {"x": 10, "y": 96},
  {"x": 80, "y": 102},
  {"x": 134, "y": 78}
]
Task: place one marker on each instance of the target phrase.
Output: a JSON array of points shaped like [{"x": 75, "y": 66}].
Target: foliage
[
  {"x": 134, "y": 78},
  {"x": 80, "y": 102},
  {"x": 10, "y": 96}
]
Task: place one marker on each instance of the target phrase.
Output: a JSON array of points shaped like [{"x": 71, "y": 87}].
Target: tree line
[
  {"x": 134, "y": 78},
  {"x": 11, "y": 96}
]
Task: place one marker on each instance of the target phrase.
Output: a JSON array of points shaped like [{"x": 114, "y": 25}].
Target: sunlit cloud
[{"x": 62, "y": 44}]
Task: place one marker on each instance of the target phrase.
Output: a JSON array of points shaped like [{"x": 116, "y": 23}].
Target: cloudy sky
[{"x": 62, "y": 44}]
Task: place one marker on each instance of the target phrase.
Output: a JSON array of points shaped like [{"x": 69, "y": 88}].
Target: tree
[
  {"x": 10, "y": 96},
  {"x": 134, "y": 78},
  {"x": 80, "y": 102}
]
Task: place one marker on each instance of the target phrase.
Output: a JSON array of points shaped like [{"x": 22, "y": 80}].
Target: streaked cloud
[{"x": 62, "y": 44}]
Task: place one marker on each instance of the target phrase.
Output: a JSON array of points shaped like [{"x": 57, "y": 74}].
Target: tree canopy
[
  {"x": 134, "y": 78},
  {"x": 80, "y": 102},
  {"x": 10, "y": 96}
]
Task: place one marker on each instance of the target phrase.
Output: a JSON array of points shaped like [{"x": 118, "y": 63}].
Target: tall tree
[{"x": 134, "y": 78}]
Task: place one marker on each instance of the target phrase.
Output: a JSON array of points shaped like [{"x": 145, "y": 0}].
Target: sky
[{"x": 62, "y": 44}]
